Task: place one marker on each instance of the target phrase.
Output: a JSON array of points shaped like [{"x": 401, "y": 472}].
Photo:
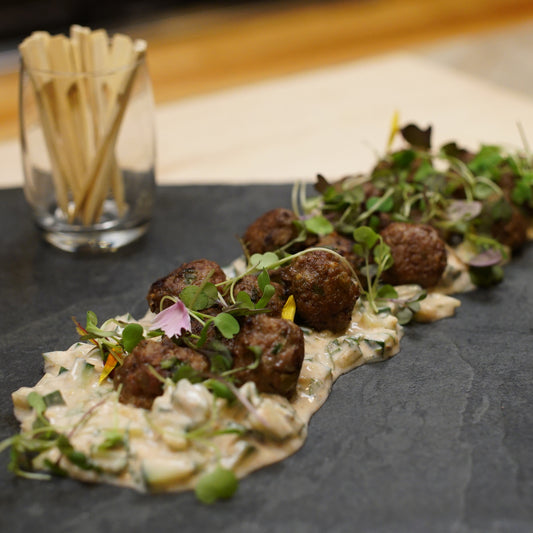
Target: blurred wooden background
[{"x": 194, "y": 52}]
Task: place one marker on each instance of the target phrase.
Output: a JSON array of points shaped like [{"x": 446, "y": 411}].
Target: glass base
[
  {"x": 94, "y": 241},
  {"x": 108, "y": 235}
]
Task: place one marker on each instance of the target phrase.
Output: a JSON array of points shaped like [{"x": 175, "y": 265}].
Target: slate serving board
[{"x": 437, "y": 439}]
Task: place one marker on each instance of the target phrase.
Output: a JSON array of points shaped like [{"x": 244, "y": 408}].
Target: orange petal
[{"x": 110, "y": 363}]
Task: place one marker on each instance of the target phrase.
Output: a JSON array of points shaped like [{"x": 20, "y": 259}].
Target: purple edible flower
[
  {"x": 487, "y": 258},
  {"x": 173, "y": 320}
]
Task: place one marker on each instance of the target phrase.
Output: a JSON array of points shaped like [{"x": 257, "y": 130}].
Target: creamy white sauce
[{"x": 173, "y": 443}]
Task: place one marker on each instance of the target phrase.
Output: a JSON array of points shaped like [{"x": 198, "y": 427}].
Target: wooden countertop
[{"x": 198, "y": 53}]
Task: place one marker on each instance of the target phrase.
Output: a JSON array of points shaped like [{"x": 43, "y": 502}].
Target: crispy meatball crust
[
  {"x": 512, "y": 232},
  {"x": 343, "y": 246},
  {"x": 193, "y": 273},
  {"x": 281, "y": 343},
  {"x": 270, "y": 231},
  {"x": 419, "y": 254},
  {"x": 324, "y": 290},
  {"x": 138, "y": 385}
]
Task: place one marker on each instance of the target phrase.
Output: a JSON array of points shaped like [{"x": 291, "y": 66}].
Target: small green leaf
[
  {"x": 36, "y": 401},
  {"x": 403, "y": 158},
  {"x": 92, "y": 320},
  {"x": 387, "y": 292},
  {"x": 131, "y": 336},
  {"x": 385, "y": 205},
  {"x": 261, "y": 261},
  {"x": 319, "y": 225},
  {"x": 268, "y": 292},
  {"x": 219, "y": 389},
  {"x": 486, "y": 161},
  {"x": 199, "y": 297},
  {"x": 220, "y": 483},
  {"x": 414, "y": 306},
  {"x": 365, "y": 236},
  {"x": 226, "y": 324},
  {"x": 404, "y": 316},
  {"x": 522, "y": 192},
  {"x": 382, "y": 255},
  {"x": 263, "y": 279},
  {"x": 244, "y": 299}
]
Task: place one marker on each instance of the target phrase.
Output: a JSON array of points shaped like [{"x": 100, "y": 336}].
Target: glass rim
[{"x": 81, "y": 73}]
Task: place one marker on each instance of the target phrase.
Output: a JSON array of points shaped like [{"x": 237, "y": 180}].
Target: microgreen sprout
[
  {"x": 378, "y": 258},
  {"x": 122, "y": 338}
]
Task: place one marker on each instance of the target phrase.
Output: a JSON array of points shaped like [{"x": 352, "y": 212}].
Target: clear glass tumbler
[{"x": 88, "y": 152}]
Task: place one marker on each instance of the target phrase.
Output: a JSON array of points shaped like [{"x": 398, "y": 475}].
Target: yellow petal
[
  {"x": 289, "y": 309},
  {"x": 394, "y": 128}
]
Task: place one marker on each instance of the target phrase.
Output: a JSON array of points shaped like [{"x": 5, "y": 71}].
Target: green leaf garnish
[
  {"x": 36, "y": 401},
  {"x": 131, "y": 336},
  {"x": 263, "y": 261},
  {"x": 319, "y": 225},
  {"x": 226, "y": 324},
  {"x": 365, "y": 236},
  {"x": 219, "y": 389},
  {"x": 378, "y": 258},
  {"x": 200, "y": 297},
  {"x": 220, "y": 483}
]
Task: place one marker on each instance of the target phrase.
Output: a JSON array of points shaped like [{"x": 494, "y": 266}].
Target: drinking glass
[{"x": 88, "y": 153}]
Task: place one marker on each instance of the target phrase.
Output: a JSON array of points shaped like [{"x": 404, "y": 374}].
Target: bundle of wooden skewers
[{"x": 82, "y": 85}]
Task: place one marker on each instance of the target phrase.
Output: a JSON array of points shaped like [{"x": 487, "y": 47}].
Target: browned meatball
[
  {"x": 193, "y": 273},
  {"x": 324, "y": 290},
  {"x": 138, "y": 384},
  {"x": 281, "y": 346},
  {"x": 419, "y": 254},
  {"x": 250, "y": 285},
  {"x": 270, "y": 231},
  {"x": 513, "y": 231},
  {"x": 343, "y": 246}
]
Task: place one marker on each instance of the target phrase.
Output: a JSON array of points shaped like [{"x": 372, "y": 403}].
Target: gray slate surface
[{"x": 438, "y": 439}]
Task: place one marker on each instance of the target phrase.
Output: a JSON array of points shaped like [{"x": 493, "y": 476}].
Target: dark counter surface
[{"x": 437, "y": 439}]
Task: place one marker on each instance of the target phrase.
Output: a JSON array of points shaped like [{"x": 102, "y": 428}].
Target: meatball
[
  {"x": 281, "y": 347},
  {"x": 135, "y": 377},
  {"x": 193, "y": 273},
  {"x": 418, "y": 252},
  {"x": 513, "y": 231},
  {"x": 270, "y": 231},
  {"x": 250, "y": 285},
  {"x": 343, "y": 246},
  {"x": 324, "y": 290}
]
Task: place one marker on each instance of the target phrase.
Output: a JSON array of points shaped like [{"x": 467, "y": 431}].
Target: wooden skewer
[
  {"x": 81, "y": 102},
  {"x": 61, "y": 60},
  {"x": 95, "y": 184},
  {"x": 35, "y": 57},
  {"x": 120, "y": 54},
  {"x": 112, "y": 60}
]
